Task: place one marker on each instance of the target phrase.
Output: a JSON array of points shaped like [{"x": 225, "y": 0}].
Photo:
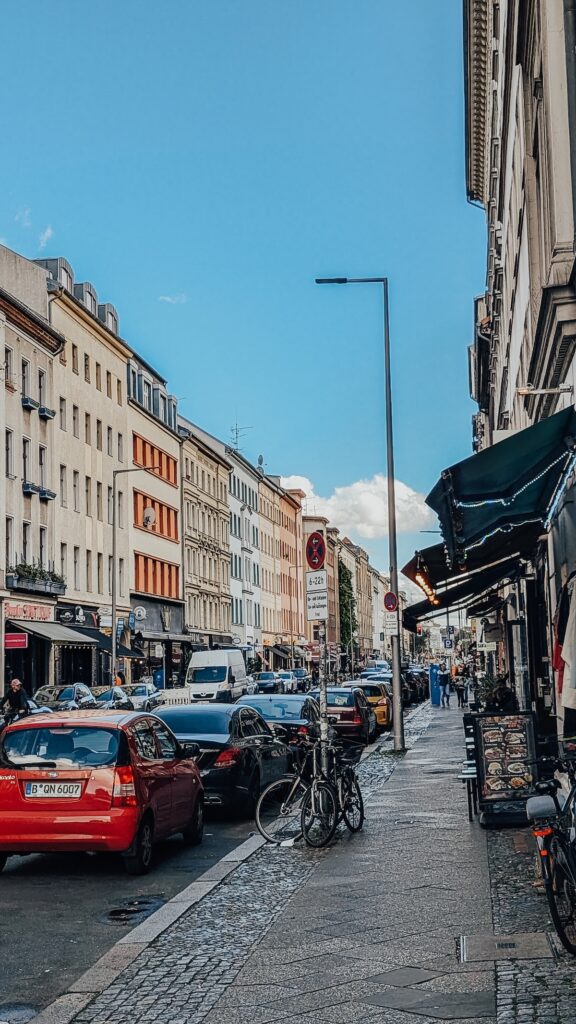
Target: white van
[{"x": 216, "y": 675}]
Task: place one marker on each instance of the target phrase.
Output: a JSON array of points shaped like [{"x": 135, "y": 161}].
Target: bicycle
[{"x": 554, "y": 828}]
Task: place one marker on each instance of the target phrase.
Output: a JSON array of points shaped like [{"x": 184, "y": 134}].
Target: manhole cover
[
  {"x": 523, "y": 946},
  {"x": 16, "y": 1013},
  {"x": 133, "y": 911}
]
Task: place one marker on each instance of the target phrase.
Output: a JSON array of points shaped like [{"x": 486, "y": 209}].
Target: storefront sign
[
  {"x": 30, "y": 612},
  {"x": 505, "y": 751},
  {"x": 15, "y": 641},
  {"x": 77, "y": 615},
  {"x": 158, "y": 617}
]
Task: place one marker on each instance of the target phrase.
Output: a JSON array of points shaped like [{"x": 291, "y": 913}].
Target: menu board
[{"x": 505, "y": 751}]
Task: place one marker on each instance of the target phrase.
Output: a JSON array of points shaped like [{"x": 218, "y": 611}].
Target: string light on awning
[{"x": 509, "y": 499}]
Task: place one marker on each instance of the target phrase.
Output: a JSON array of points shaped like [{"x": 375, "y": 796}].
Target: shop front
[
  {"x": 37, "y": 646},
  {"x": 161, "y": 647},
  {"x": 92, "y": 664}
]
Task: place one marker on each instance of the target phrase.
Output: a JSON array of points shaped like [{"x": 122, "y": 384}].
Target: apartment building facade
[{"x": 270, "y": 574}]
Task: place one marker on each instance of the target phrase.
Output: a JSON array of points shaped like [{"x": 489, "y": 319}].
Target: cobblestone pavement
[{"x": 368, "y": 930}]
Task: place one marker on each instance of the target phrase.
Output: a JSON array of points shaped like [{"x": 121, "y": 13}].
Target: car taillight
[
  {"x": 228, "y": 757},
  {"x": 302, "y": 730},
  {"x": 124, "y": 792},
  {"x": 357, "y": 720}
]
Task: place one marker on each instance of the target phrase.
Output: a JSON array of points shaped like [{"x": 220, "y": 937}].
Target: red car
[{"x": 96, "y": 781}]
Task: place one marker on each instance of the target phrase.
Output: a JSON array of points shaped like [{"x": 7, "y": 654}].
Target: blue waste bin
[
  {"x": 434, "y": 686},
  {"x": 158, "y": 678}
]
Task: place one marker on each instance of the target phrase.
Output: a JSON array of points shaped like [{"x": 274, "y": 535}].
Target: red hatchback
[{"x": 98, "y": 782}]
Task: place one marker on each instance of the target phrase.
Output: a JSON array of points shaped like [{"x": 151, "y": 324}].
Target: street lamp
[
  {"x": 116, "y": 473},
  {"x": 529, "y": 389},
  {"x": 396, "y": 678}
]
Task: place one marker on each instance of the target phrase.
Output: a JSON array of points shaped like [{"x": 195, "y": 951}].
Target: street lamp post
[
  {"x": 116, "y": 473},
  {"x": 396, "y": 677}
]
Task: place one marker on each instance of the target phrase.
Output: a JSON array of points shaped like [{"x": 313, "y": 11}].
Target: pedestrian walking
[
  {"x": 444, "y": 682},
  {"x": 460, "y": 687}
]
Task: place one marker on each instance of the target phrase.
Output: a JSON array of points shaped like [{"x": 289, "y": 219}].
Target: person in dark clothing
[
  {"x": 505, "y": 699},
  {"x": 444, "y": 684},
  {"x": 15, "y": 699}
]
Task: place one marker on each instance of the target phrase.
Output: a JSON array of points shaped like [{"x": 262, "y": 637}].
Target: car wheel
[
  {"x": 194, "y": 833},
  {"x": 3, "y": 859},
  {"x": 139, "y": 860}
]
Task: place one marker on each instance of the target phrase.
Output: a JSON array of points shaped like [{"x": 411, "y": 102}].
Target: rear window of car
[
  {"x": 338, "y": 698},
  {"x": 75, "y": 746},
  {"x": 276, "y": 710},
  {"x": 371, "y": 691},
  {"x": 262, "y": 676},
  {"x": 136, "y": 691},
  {"x": 198, "y": 720}
]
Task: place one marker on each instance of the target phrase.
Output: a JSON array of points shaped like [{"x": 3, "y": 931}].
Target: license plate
[{"x": 54, "y": 790}]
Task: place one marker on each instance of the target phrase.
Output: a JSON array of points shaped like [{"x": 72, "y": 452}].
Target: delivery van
[{"x": 216, "y": 675}]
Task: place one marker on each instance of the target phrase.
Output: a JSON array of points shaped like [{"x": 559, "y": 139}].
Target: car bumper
[
  {"x": 350, "y": 732},
  {"x": 47, "y": 832},
  {"x": 222, "y": 788}
]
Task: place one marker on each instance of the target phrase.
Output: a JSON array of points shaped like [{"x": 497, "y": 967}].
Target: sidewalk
[{"x": 372, "y": 929}]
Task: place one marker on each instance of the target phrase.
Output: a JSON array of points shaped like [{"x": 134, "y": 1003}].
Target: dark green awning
[
  {"x": 462, "y": 593},
  {"x": 511, "y": 485}
]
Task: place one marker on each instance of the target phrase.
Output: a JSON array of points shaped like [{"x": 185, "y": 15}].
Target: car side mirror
[
  {"x": 189, "y": 751},
  {"x": 232, "y": 679}
]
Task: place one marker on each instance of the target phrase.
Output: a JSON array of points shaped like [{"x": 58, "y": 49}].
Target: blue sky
[{"x": 202, "y": 162}]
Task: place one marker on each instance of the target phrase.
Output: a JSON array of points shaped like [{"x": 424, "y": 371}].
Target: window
[
  {"x": 8, "y": 366},
  {"x": 89, "y": 571},
  {"x": 120, "y": 509},
  {"x": 62, "y": 414},
  {"x": 121, "y": 576},
  {"x": 86, "y": 367},
  {"x": 154, "y": 576},
  {"x": 63, "y": 487},
  {"x": 88, "y": 495},
  {"x": 99, "y": 435},
  {"x": 120, "y": 448},
  {"x": 76, "y": 568},
  {"x": 75, "y": 421},
  {"x": 144, "y": 739},
  {"x": 42, "y": 547},
  {"x": 99, "y": 502},
  {"x": 166, "y": 743},
  {"x": 25, "y": 458},
  {"x": 99, "y": 572},
  {"x": 42, "y": 465},
  {"x": 109, "y": 441},
  {"x": 75, "y": 358},
  {"x": 134, "y": 384},
  {"x": 63, "y": 560},
  {"x": 98, "y": 376},
  {"x": 9, "y": 541},
  {"x": 108, "y": 384},
  {"x": 25, "y": 377},
  {"x": 76, "y": 490},
  {"x": 119, "y": 392},
  {"x": 9, "y": 453},
  {"x": 110, "y": 505},
  {"x": 41, "y": 387},
  {"x": 110, "y": 566},
  {"x": 26, "y": 553},
  {"x": 147, "y": 395},
  {"x": 87, "y": 428},
  {"x": 161, "y": 464}
]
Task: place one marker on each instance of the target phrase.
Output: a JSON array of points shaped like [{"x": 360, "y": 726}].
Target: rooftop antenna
[
  {"x": 237, "y": 433},
  {"x": 261, "y": 465}
]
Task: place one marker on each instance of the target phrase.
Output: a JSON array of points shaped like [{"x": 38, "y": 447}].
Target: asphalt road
[{"x": 55, "y": 911}]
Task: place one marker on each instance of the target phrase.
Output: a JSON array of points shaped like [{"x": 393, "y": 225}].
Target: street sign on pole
[
  {"x": 317, "y": 606},
  {"x": 315, "y": 550},
  {"x": 448, "y": 644},
  {"x": 451, "y": 630},
  {"x": 390, "y": 601},
  {"x": 391, "y": 623},
  {"x": 316, "y": 580}
]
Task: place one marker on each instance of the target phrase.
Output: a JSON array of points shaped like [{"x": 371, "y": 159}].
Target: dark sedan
[
  {"x": 295, "y": 714},
  {"x": 268, "y": 682},
  {"x": 112, "y": 698},
  {"x": 354, "y": 718},
  {"x": 239, "y": 753},
  {"x": 73, "y": 697}
]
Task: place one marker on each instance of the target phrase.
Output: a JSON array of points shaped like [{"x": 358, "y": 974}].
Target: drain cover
[
  {"x": 523, "y": 946},
  {"x": 16, "y": 1013},
  {"x": 133, "y": 911}
]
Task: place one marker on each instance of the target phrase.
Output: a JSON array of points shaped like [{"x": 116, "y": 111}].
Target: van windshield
[{"x": 208, "y": 674}]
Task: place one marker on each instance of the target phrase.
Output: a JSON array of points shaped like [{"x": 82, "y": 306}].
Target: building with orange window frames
[{"x": 156, "y": 543}]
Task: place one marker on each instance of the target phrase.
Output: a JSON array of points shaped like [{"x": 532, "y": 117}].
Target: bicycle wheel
[
  {"x": 561, "y": 892},
  {"x": 279, "y": 810},
  {"x": 319, "y": 814},
  {"x": 352, "y": 803}
]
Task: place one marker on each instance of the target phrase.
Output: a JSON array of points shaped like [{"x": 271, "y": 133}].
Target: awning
[
  {"x": 513, "y": 484},
  {"x": 160, "y": 638},
  {"x": 54, "y": 632},
  {"x": 462, "y": 593},
  {"x": 105, "y": 642}
]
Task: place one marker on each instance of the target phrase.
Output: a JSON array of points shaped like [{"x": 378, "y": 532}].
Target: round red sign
[
  {"x": 390, "y": 601},
  {"x": 315, "y": 550}
]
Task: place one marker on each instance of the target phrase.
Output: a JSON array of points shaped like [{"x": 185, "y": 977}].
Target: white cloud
[
  {"x": 361, "y": 508},
  {"x": 174, "y": 300},
  {"x": 45, "y": 237},
  {"x": 24, "y": 217}
]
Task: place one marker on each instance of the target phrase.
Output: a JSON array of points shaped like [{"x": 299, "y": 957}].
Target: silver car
[{"x": 144, "y": 696}]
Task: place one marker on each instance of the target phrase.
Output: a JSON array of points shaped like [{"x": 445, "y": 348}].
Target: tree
[{"x": 347, "y": 602}]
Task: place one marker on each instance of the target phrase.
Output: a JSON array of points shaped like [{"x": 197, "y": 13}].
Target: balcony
[
  {"x": 34, "y": 579},
  {"x": 46, "y": 494},
  {"x": 29, "y": 488},
  {"x": 45, "y": 413},
  {"x": 29, "y": 403}
]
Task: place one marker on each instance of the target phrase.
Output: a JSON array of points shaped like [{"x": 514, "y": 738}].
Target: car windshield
[
  {"x": 103, "y": 693},
  {"x": 199, "y": 720},
  {"x": 263, "y": 676},
  {"x": 300, "y": 672},
  {"x": 209, "y": 674},
  {"x": 136, "y": 691},
  {"x": 276, "y": 710},
  {"x": 78, "y": 746},
  {"x": 54, "y": 693},
  {"x": 285, "y": 675},
  {"x": 338, "y": 698}
]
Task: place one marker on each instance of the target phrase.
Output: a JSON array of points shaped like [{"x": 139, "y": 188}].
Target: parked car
[
  {"x": 408, "y": 695},
  {"x": 304, "y": 679},
  {"x": 267, "y": 682},
  {"x": 72, "y": 697},
  {"x": 354, "y": 718},
  {"x": 295, "y": 715},
  {"x": 379, "y": 697},
  {"x": 36, "y": 709},
  {"x": 102, "y": 781},
  {"x": 288, "y": 682},
  {"x": 218, "y": 675},
  {"x": 239, "y": 753},
  {"x": 144, "y": 696},
  {"x": 112, "y": 698}
]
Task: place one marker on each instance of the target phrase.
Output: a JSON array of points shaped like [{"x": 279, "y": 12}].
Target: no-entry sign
[{"x": 315, "y": 550}]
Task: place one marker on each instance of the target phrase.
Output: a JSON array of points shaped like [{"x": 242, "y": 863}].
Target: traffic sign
[
  {"x": 390, "y": 601},
  {"x": 317, "y": 606},
  {"x": 451, "y": 629},
  {"x": 448, "y": 644},
  {"x": 317, "y": 580},
  {"x": 315, "y": 550},
  {"x": 391, "y": 623}
]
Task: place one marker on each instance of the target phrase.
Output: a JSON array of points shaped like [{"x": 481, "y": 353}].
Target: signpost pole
[{"x": 317, "y": 610}]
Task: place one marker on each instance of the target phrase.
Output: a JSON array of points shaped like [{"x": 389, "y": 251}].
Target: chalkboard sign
[{"x": 505, "y": 754}]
